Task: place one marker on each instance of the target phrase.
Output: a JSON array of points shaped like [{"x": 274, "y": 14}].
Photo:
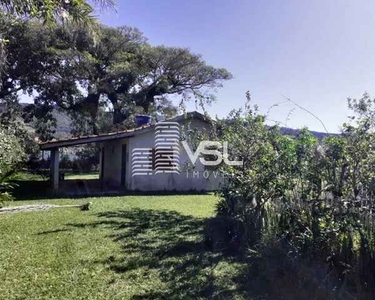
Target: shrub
[
  {"x": 314, "y": 199},
  {"x": 11, "y": 157}
]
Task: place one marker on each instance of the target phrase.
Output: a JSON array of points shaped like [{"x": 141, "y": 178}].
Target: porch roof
[{"x": 91, "y": 138}]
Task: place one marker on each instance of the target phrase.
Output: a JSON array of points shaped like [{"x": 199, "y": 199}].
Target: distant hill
[
  {"x": 63, "y": 121},
  {"x": 295, "y": 132}
]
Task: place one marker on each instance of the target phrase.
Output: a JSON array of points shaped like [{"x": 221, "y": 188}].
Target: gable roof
[{"x": 74, "y": 141}]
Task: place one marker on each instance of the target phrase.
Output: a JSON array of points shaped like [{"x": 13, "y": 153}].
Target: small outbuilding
[{"x": 153, "y": 157}]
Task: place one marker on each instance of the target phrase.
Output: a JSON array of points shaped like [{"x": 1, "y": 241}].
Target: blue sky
[{"x": 317, "y": 53}]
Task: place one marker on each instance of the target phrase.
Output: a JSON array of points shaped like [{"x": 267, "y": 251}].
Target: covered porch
[{"x": 107, "y": 160}]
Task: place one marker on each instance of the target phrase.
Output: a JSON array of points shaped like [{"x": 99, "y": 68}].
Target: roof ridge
[{"x": 54, "y": 142}]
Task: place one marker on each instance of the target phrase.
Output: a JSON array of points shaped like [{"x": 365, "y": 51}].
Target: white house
[{"x": 149, "y": 158}]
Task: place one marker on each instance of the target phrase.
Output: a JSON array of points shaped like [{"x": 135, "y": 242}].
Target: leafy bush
[
  {"x": 11, "y": 157},
  {"x": 315, "y": 197},
  {"x": 87, "y": 159}
]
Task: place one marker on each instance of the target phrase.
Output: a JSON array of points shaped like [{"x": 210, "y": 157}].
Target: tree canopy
[
  {"x": 79, "y": 11},
  {"x": 119, "y": 71}
]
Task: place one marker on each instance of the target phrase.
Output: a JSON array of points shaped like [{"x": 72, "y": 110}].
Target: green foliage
[
  {"x": 87, "y": 159},
  {"x": 11, "y": 153},
  {"x": 24, "y": 67},
  {"x": 79, "y": 11},
  {"x": 11, "y": 157},
  {"x": 316, "y": 196},
  {"x": 117, "y": 70},
  {"x": 12, "y": 121}
]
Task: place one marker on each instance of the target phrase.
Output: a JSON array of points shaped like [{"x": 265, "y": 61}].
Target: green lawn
[
  {"x": 134, "y": 247},
  {"x": 81, "y": 176},
  {"x": 27, "y": 176}
]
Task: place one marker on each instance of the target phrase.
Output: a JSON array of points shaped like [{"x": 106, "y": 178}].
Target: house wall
[
  {"x": 113, "y": 162},
  {"x": 199, "y": 178}
]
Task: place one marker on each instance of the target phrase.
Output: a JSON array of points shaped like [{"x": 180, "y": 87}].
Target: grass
[
  {"x": 28, "y": 176},
  {"x": 133, "y": 247},
  {"x": 81, "y": 176},
  {"x": 28, "y": 185}
]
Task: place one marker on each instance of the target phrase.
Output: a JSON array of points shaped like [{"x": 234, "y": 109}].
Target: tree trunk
[
  {"x": 146, "y": 101},
  {"x": 91, "y": 106},
  {"x": 143, "y": 100},
  {"x": 118, "y": 116}
]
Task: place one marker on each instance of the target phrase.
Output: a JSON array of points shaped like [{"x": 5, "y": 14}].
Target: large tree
[
  {"x": 83, "y": 69},
  {"x": 121, "y": 70},
  {"x": 116, "y": 70}
]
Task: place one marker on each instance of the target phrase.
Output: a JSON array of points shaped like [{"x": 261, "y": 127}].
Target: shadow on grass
[
  {"x": 164, "y": 252},
  {"x": 53, "y": 231},
  {"x": 78, "y": 189},
  {"x": 30, "y": 190}
]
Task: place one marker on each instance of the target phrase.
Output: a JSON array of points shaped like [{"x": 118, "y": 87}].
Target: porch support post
[
  {"x": 55, "y": 169},
  {"x": 102, "y": 165}
]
